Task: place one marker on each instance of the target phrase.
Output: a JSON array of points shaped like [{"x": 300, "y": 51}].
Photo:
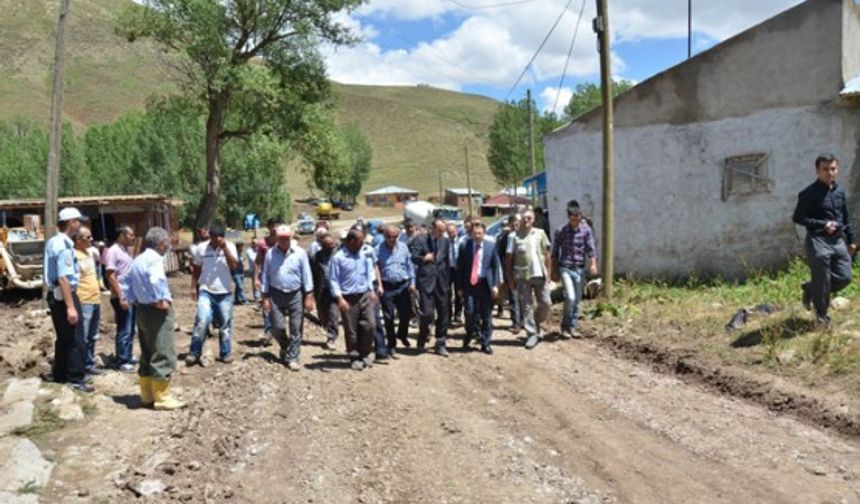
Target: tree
[
  {"x": 359, "y": 160},
  {"x": 252, "y": 64},
  {"x": 587, "y": 97},
  {"x": 508, "y": 153}
]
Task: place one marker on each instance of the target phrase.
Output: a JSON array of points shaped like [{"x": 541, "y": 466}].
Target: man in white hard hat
[{"x": 62, "y": 275}]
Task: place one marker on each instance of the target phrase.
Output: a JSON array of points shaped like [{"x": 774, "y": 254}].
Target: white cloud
[
  {"x": 548, "y": 99},
  {"x": 492, "y": 46}
]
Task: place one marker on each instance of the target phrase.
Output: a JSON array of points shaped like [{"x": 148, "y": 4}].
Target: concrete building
[
  {"x": 390, "y": 196},
  {"x": 459, "y": 197},
  {"x": 710, "y": 154}
]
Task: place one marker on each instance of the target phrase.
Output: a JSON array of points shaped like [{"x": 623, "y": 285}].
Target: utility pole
[
  {"x": 532, "y": 145},
  {"x": 601, "y": 26},
  {"x": 441, "y": 195},
  {"x": 531, "y": 132},
  {"x": 468, "y": 179},
  {"x": 52, "y": 177},
  {"x": 689, "y": 29}
]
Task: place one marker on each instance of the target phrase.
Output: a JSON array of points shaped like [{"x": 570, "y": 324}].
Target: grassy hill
[{"x": 416, "y": 132}]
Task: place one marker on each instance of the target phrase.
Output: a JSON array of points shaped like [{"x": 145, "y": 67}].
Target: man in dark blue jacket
[
  {"x": 823, "y": 209},
  {"x": 477, "y": 281}
]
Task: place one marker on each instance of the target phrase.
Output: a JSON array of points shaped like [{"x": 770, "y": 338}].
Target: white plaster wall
[{"x": 670, "y": 218}]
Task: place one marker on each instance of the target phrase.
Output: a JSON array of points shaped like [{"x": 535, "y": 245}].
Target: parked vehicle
[
  {"x": 423, "y": 213},
  {"x": 306, "y": 226},
  {"x": 327, "y": 211},
  {"x": 21, "y": 258}
]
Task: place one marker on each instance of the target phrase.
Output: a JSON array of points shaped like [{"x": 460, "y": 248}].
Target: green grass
[
  {"x": 787, "y": 342},
  {"x": 416, "y": 132},
  {"x": 45, "y": 421},
  {"x": 31, "y": 487}
]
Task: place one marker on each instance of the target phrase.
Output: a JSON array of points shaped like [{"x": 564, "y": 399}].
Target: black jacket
[
  {"x": 433, "y": 275},
  {"x": 818, "y": 204}
]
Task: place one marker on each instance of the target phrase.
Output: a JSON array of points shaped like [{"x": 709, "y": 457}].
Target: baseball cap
[
  {"x": 283, "y": 231},
  {"x": 71, "y": 213}
]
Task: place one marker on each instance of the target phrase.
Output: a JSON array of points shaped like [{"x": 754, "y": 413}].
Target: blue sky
[{"x": 468, "y": 45}]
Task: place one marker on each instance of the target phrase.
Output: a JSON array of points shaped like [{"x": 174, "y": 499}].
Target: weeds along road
[{"x": 566, "y": 422}]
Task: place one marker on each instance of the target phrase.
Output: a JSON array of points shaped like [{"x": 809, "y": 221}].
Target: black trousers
[
  {"x": 455, "y": 308},
  {"x": 70, "y": 347},
  {"x": 433, "y": 303},
  {"x": 479, "y": 312},
  {"x": 830, "y": 263},
  {"x": 396, "y": 298}
]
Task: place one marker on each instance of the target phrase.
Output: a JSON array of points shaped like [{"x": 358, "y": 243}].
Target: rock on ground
[
  {"x": 16, "y": 408},
  {"x": 22, "y": 465}
]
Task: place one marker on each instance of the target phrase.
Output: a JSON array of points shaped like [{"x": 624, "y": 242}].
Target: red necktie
[{"x": 476, "y": 265}]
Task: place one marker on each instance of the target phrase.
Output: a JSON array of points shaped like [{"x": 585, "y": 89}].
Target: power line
[
  {"x": 539, "y": 49},
  {"x": 489, "y": 6},
  {"x": 569, "y": 54}
]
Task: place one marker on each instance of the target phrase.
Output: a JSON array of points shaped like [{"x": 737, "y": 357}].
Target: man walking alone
[{"x": 822, "y": 209}]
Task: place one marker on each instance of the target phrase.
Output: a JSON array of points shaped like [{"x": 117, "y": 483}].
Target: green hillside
[{"x": 416, "y": 132}]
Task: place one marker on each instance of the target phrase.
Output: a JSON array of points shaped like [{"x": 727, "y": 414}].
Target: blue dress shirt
[
  {"x": 146, "y": 281},
  {"x": 287, "y": 272},
  {"x": 395, "y": 265},
  {"x": 352, "y": 273},
  {"x": 60, "y": 261}
]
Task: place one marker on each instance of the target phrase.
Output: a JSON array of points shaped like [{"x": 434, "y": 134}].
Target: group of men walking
[{"x": 373, "y": 292}]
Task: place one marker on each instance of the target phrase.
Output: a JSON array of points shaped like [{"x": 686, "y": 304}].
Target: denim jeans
[
  {"x": 239, "y": 280},
  {"x": 125, "y": 327},
  {"x": 217, "y": 308},
  {"x": 573, "y": 280},
  {"x": 90, "y": 318}
]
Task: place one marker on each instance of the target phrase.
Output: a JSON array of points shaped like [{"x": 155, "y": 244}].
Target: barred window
[{"x": 746, "y": 174}]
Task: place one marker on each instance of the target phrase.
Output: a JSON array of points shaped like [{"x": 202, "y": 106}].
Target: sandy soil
[{"x": 567, "y": 422}]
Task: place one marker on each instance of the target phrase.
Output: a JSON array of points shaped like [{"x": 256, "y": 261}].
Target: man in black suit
[
  {"x": 430, "y": 256},
  {"x": 478, "y": 282}
]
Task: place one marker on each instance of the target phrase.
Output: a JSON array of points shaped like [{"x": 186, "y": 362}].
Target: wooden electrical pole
[
  {"x": 468, "y": 179},
  {"x": 601, "y": 26},
  {"x": 689, "y": 29},
  {"x": 52, "y": 177},
  {"x": 531, "y": 132},
  {"x": 532, "y": 163},
  {"x": 441, "y": 193}
]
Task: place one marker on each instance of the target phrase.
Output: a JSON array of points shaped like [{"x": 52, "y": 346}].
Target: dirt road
[{"x": 566, "y": 422}]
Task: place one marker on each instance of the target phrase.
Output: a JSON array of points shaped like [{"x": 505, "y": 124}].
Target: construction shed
[
  {"x": 503, "y": 204},
  {"x": 390, "y": 196},
  {"x": 105, "y": 212},
  {"x": 459, "y": 197}
]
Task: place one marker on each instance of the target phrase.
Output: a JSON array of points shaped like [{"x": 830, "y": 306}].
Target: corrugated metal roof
[
  {"x": 463, "y": 191},
  {"x": 392, "y": 190},
  {"x": 90, "y": 200},
  {"x": 852, "y": 88},
  {"x": 504, "y": 200}
]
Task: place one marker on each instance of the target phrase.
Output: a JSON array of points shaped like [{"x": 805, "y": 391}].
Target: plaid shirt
[{"x": 571, "y": 246}]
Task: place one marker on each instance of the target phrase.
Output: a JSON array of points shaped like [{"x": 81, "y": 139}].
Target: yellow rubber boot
[
  {"x": 163, "y": 400},
  {"x": 146, "y": 398}
]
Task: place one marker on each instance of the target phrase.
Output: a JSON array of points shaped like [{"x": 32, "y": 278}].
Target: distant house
[
  {"x": 390, "y": 196},
  {"x": 536, "y": 188},
  {"x": 711, "y": 154},
  {"x": 503, "y": 204},
  {"x": 460, "y": 197}
]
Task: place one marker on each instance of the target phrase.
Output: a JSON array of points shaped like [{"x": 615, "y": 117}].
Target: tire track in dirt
[{"x": 566, "y": 422}]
